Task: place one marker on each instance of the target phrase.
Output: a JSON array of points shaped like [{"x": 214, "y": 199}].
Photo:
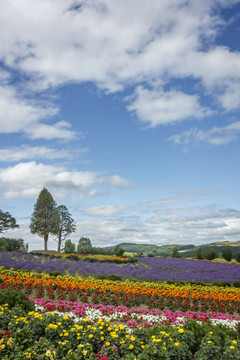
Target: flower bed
[
  {"x": 134, "y": 317},
  {"x": 52, "y": 335},
  {"x": 128, "y": 293},
  {"x": 150, "y": 269}
]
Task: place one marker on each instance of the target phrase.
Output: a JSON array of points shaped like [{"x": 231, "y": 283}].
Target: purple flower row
[{"x": 155, "y": 269}]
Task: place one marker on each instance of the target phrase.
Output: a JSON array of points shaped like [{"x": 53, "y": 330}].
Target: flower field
[
  {"x": 150, "y": 269},
  {"x": 85, "y": 317}
]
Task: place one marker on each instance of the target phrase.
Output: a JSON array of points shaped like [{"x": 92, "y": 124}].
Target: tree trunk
[
  {"x": 59, "y": 241},
  {"x": 59, "y": 245},
  {"x": 45, "y": 241}
]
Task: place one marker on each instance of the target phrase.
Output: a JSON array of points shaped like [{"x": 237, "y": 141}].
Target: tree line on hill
[{"x": 210, "y": 253}]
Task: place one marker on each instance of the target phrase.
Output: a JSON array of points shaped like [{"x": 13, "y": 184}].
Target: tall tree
[
  {"x": 84, "y": 245},
  {"x": 45, "y": 218},
  {"x": 66, "y": 225},
  {"x": 227, "y": 253},
  {"x": 69, "y": 247},
  {"x": 175, "y": 253},
  {"x": 7, "y": 221}
]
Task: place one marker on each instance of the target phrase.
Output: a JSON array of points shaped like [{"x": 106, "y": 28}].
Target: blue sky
[{"x": 127, "y": 112}]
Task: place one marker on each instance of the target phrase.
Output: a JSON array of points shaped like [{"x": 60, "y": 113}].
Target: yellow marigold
[
  {"x": 107, "y": 343},
  {"x": 232, "y": 347},
  {"x": 90, "y": 336},
  {"x": 131, "y": 346},
  {"x": 176, "y": 344},
  {"x": 181, "y": 331}
]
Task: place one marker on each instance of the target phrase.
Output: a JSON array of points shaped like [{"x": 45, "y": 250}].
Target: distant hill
[
  {"x": 186, "y": 250},
  {"x": 157, "y": 250}
]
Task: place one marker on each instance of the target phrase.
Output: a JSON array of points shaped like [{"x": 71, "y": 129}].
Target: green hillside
[{"x": 186, "y": 250}]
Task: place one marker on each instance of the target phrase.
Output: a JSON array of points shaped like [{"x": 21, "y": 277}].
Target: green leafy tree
[
  {"x": 198, "y": 253},
  {"x": 175, "y": 253},
  {"x": 210, "y": 254},
  {"x": 237, "y": 256},
  {"x": 227, "y": 253},
  {"x": 84, "y": 245},
  {"x": 45, "y": 218},
  {"x": 10, "y": 244},
  {"x": 7, "y": 221},
  {"x": 69, "y": 247},
  {"x": 118, "y": 251},
  {"x": 66, "y": 225}
]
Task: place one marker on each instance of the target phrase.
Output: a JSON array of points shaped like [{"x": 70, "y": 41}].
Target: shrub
[
  {"x": 236, "y": 283},
  {"x": 210, "y": 254},
  {"x": 55, "y": 273},
  {"x": 72, "y": 257},
  {"x": 237, "y": 256},
  {"x": 227, "y": 253},
  {"x": 222, "y": 283},
  {"x": 15, "y": 298},
  {"x": 114, "y": 277}
]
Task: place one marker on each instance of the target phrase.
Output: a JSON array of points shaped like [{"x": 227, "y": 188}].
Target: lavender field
[{"x": 153, "y": 269}]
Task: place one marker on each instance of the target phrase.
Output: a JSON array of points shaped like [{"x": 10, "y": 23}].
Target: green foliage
[
  {"x": 72, "y": 257},
  {"x": 10, "y": 244},
  {"x": 198, "y": 253},
  {"x": 151, "y": 351},
  {"x": 119, "y": 251},
  {"x": 7, "y": 221},
  {"x": 221, "y": 283},
  {"x": 210, "y": 348},
  {"x": 114, "y": 277},
  {"x": 45, "y": 218},
  {"x": 15, "y": 298},
  {"x": 210, "y": 254},
  {"x": 84, "y": 246},
  {"x": 55, "y": 273},
  {"x": 69, "y": 247},
  {"x": 175, "y": 253},
  {"x": 227, "y": 253},
  {"x": 236, "y": 284},
  {"x": 66, "y": 225},
  {"x": 237, "y": 256}
]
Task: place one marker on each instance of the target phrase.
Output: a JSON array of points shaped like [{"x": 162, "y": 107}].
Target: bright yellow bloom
[
  {"x": 131, "y": 346},
  {"x": 176, "y": 344},
  {"x": 232, "y": 347}
]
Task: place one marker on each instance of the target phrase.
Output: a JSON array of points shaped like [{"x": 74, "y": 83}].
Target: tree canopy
[
  {"x": 66, "y": 225},
  {"x": 7, "y": 221},
  {"x": 227, "y": 253},
  {"x": 45, "y": 218}
]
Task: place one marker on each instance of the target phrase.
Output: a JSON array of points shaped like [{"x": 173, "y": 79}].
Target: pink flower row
[{"x": 133, "y": 316}]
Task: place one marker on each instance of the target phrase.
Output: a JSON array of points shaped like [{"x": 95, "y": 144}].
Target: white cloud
[
  {"x": 116, "y": 180},
  {"x": 120, "y": 42},
  {"x": 105, "y": 210},
  {"x": 59, "y": 130},
  {"x": 27, "y": 179},
  {"x": 230, "y": 98},
  {"x": 215, "y": 136},
  {"x": 31, "y": 152},
  {"x": 157, "y": 107},
  {"x": 18, "y": 114}
]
